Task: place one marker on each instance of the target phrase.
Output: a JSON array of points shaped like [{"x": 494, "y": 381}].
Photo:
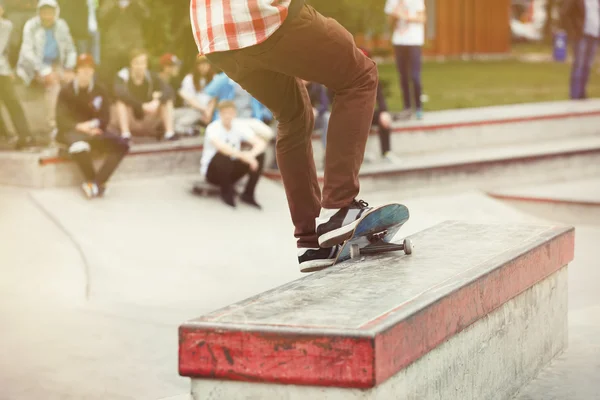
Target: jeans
[
  {"x": 91, "y": 45},
  {"x": 317, "y": 49},
  {"x": 8, "y": 98},
  {"x": 584, "y": 51},
  {"x": 408, "y": 63}
]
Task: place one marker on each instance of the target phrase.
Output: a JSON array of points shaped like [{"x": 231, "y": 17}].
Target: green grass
[{"x": 464, "y": 84}]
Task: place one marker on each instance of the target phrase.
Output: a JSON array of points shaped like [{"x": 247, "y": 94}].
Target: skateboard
[
  {"x": 374, "y": 232},
  {"x": 203, "y": 188}
]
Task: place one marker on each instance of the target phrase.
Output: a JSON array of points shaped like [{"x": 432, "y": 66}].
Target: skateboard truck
[{"x": 379, "y": 246}]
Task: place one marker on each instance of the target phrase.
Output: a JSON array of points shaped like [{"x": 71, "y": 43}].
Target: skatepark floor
[{"x": 92, "y": 292}]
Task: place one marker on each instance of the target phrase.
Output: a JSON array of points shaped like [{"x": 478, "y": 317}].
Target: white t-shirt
[
  {"x": 187, "y": 86},
  {"x": 234, "y": 137},
  {"x": 407, "y": 33},
  {"x": 592, "y": 18}
]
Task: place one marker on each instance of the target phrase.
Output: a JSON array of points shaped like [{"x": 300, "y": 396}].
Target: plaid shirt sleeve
[{"x": 222, "y": 25}]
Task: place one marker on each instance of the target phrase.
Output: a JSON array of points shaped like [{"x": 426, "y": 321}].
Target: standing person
[
  {"x": 8, "y": 95},
  {"x": 82, "y": 20},
  {"x": 82, "y": 117},
  {"x": 581, "y": 20},
  {"x": 407, "y": 17},
  {"x": 224, "y": 162},
  {"x": 47, "y": 54},
  {"x": 269, "y": 48}
]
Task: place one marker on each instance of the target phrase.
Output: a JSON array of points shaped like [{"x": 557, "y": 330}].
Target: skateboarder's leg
[
  {"x": 241, "y": 169},
  {"x": 317, "y": 49},
  {"x": 288, "y": 99}
]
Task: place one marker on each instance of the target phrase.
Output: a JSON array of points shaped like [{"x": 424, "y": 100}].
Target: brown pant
[{"x": 317, "y": 49}]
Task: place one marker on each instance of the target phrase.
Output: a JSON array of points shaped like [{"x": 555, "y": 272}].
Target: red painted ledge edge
[{"x": 363, "y": 362}]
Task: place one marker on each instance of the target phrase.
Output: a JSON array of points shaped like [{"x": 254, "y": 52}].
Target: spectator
[
  {"x": 82, "y": 117},
  {"x": 8, "y": 95},
  {"x": 581, "y": 20},
  {"x": 122, "y": 30},
  {"x": 249, "y": 110},
  {"x": 82, "y": 20},
  {"x": 169, "y": 70},
  {"x": 224, "y": 162},
  {"x": 47, "y": 54},
  {"x": 196, "y": 102},
  {"x": 144, "y": 104},
  {"x": 407, "y": 17}
]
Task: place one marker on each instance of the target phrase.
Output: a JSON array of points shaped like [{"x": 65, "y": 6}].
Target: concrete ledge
[
  {"x": 48, "y": 168},
  {"x": 357, "y": 326},
  {"x": 488, "y": 360}
]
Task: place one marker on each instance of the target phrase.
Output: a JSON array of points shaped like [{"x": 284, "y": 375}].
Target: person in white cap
[{"x": 48, "y": 54}]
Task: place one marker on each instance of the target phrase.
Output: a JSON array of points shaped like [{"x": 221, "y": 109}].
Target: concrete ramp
[{"x": 475, "y": 312}]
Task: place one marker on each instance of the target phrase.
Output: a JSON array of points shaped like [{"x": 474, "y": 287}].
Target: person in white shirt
[
  {"x": 407, "y": 18},
  {"x": 196, "y": 109},
  {"x": 224, "y": 162}
]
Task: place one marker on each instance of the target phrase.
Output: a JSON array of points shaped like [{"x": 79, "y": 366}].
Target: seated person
[
  {"x": 82, "y": 116},
  {"x": 47, "y": 55},
  {"x": 196, "y": 103},
  {"x": 224, "y": 162},
  {"x": 169, "y": 71},
  {"x": 249, "y": 110},
  {"x": 144, "y": 105}
]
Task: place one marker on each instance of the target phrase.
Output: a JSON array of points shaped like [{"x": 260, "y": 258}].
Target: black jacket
[{"x": 77, "y": 105}]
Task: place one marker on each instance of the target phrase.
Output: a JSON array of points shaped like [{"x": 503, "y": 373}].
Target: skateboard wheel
[
  {"x": 408, "y": 248},
  {"x": 354, "y": 251}
]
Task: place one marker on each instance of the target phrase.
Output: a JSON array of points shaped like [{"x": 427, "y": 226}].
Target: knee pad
[{"x": 79, "y": 147}]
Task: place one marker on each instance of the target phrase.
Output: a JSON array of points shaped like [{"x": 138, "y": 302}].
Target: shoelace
[{"x": 360, "y": 203}]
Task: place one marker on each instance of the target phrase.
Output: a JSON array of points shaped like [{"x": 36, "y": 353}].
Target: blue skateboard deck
[{"x": 374, "y": 232}]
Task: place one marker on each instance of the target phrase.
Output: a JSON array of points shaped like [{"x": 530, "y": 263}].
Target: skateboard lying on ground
[
  {"x": 374, "y": 232},
  {"x": 203, "y": 188}
]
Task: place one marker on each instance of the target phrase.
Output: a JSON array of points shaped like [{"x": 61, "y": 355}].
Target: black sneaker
[
  {"x": 250, "y": 200},
  {"x": 336, "y": 226},
  {"x": 312, "y": 260}
]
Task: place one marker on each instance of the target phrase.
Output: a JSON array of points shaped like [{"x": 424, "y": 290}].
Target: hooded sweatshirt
[{"x": 34, "y": 49}]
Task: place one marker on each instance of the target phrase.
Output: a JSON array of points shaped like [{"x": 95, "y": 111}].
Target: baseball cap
[
  {"x": 167, "y": 60},
  {"x": 85, "y": 60}
]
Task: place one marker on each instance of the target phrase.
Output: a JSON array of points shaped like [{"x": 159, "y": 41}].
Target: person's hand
[
  {"x": 151, "y": 107},
  {"x": 84, "y": 127},
  {"x": 315, "y": 112},
  {"x": 385, "y": 119},
  {"x": 48, "y": 80},
  {"x": 68, "y": 76},
  {"x": 249, "y": 159},
  {"x": 96, "y": 131}
]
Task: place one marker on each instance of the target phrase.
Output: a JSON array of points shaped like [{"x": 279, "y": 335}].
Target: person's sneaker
[
  {"x": 102, "y": 190},
  {"x": 419, "y": 114},
  {"x": 250, "y": 201},
  {"x": 391, "y": 158},
  {"x": 228, "y": 197},
  {"x": 312, "y": 260},
  {"x": 336, "y": 226},
  {"x": 90, "y": 189}
]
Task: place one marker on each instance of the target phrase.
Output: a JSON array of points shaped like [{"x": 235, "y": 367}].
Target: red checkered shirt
[{"x": 221, "y": 25}]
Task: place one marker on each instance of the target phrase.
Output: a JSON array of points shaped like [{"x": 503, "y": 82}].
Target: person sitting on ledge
[
  {"x": 224, "y": 162},
  {"x": 82, "y": 116}
]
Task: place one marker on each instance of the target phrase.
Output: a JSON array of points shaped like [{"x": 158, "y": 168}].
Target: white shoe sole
[
  {"x": 339, "y": 235},
  {"x": 316, "y": 265}
]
